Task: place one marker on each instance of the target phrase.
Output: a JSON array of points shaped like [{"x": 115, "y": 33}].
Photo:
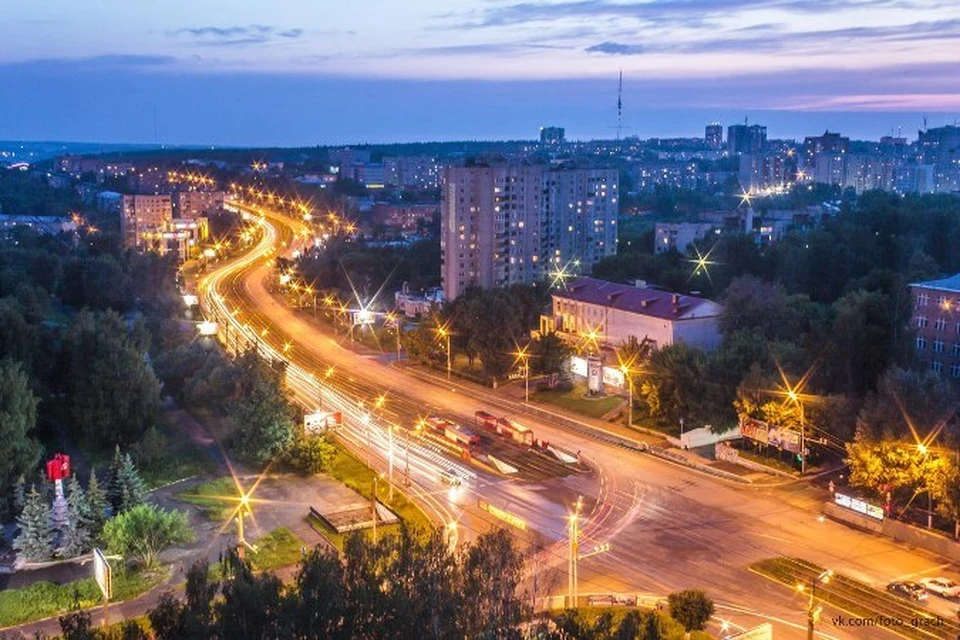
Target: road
[{"x": 668, "y": 528}]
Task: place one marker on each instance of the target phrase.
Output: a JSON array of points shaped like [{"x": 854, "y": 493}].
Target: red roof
[{"x": 645, "y": 301}]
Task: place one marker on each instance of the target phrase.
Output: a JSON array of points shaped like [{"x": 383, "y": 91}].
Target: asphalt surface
[{"x": 668, "y": 527}]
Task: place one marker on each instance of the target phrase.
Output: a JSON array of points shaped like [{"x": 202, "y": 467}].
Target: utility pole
[
  {"x": 375, "y": 479},
  {"x": 574, "y": 554},
  {"x": 390, "y": 461}
]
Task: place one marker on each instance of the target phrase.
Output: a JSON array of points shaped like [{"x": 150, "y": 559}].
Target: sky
[{"x": 307, "y": 72}]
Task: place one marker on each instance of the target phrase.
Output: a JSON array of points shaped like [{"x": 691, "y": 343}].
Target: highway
[{"x": 668, "y": 528}]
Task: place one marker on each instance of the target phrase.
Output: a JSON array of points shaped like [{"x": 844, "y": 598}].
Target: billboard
[
  {"x": 102, "y": 573},
  {"x": 321, "y": 421}
]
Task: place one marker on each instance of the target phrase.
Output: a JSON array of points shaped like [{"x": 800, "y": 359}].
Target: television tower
[{"x": 620, "y": 105}]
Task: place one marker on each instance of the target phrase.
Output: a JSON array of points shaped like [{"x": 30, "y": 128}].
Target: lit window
[
  {"x": 936, "y": 366},
  {"x": 940, "y": 324},
  {"x": 921, "y": 343}
]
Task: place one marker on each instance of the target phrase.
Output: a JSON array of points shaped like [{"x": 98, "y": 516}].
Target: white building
[{"x": 609, "y": 313}]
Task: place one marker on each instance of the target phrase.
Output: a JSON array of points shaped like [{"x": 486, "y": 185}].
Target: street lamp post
[
  {"x": 795, "y": 398},
  {"x": 823, "y": 578},
  {"x": 444, "y": 333},
  {"x": 626, "y": 374},
  {"x": 574, "y": 529}
]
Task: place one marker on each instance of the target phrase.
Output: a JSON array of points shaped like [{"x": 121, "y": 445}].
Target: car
[
  {"x": 907, "y": 589},
  {"x": 942, "y": 587},
  {"x": 447, "y": 476}
]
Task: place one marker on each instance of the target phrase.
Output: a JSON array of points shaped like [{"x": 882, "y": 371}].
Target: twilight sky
[{"x": 301, "y": 72}]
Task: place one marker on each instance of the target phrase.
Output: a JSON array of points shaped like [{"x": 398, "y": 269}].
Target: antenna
[
  {"x": 620, "y": 105},
  {"x": 924, "y": 123},
  {"x": 155, "y": 141}
]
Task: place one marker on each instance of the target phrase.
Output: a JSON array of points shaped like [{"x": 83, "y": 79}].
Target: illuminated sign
[
  {"x": 860, "y": 506},
  {"x": 207, "y": 328},
  {"x": 506, "y": 516}
]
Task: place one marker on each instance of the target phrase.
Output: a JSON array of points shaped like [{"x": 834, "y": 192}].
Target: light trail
[{"x": 361, "y": 430}]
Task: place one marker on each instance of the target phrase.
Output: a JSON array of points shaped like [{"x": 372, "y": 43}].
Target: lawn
[
  {"x": 575, "y": 400},
  {"x": 46, "y": 599},
  {"x": 353, "y": 473},
  {"x": 769, "y": 461},
  {"x": 279, "y": 548},
  {"x": 216, "y": 498}
]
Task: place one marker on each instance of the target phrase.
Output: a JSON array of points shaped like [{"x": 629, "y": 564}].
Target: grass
[
  {"x": 46, "y": 599},
  {"x": 574, "y": 400},
  {"x": 180, "y": 459},
  {"x": 215, "y": 498},
  {"x": 673, "y": 630},
  {"x": 767, "y": 461},
  {"x": 353, "y": 473},
  {"x": 279, "y": 548}
]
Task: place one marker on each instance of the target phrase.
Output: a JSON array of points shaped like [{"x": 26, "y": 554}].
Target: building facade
[
  {"x": 713, "y": 135},
  {"x": 514, "y": 223},
  {"x": 197, "y": 204},
  {"x": 743, "y": 138},
  {"x": 609, "y": 313},
  {"x": 936, "y": 321},
  {"x": 141, "y": 216}
]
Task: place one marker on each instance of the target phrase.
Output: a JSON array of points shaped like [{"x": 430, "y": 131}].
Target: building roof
[
  {"x": 646, "y": 301},
  {"x": 951, "y": 283}
]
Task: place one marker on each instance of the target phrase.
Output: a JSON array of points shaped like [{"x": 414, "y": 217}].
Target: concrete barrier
[{"x": 898, "y": 531}]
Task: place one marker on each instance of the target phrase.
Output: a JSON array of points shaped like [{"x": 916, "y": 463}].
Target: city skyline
[{"x": 291, "y": 75}]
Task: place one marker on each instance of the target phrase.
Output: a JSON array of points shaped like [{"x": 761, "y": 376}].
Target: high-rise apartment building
[
  {"x": 742, "y": 138},
  {"x": 196, "y": 204},
  {"x": 825, "y": 158},
  {"x": 714, "y": 135},
  {"x": 552, "y": 135},
  {"x": 514, "y": 223},
  {"x": 142, "y": 217},
  {"x": 940, "y": 148}
]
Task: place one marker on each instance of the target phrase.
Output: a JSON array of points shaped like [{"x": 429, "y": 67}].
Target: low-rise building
[
  {"x": 44, "y": 225},
  {"x": 141, "y": 217},
  {"x": 936, "y": 320},
  {"x": 608, "y": 313},
  {"x": 197, "y": 204}
]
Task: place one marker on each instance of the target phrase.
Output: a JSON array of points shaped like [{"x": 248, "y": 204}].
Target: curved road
[{"x": 668, "y": 527}]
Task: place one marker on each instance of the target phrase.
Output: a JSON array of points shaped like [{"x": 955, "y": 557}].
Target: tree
[
  {"x": 311, "y": 453},
  {"x": 551, "y": 357},
  {"x": 98, "y": 504},
  {"x": 35, "y": 542},
  {"x": 492, "y": 571},
  {"x": 652, "y": 628},
  {"x": 18, "y": 416},
  {"x": 885, "y": 467},
  {"x": 76, "y": 536},
  {"x": 113, "y": 393},
  {"x": 173, "y": 619},
  {"x": 320, "y": 606},
  {"x": 691, "y": 608},
  {"x": 903, "y": 398},
  {"x": 19, "y": 495},
  {"x": 673, "y": 385},
  {"x": 126, "y": 489},
  {"x": 251, "y": 606},
  {"x": 144, "y": 531},
  {"x": 265, "y": 417}
]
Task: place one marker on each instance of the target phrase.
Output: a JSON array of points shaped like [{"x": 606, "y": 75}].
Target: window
[
  {"x": 955, "y": 370},
  {"x": 921, "y": 322},
  {"x": 921, "y": 343},
  {"x": 940, "y": 324},
  {"x": 941, "y": 300},
  {"x": 922, "y": 299},
  {"x": 936, "y": 366},
  {"x": 956, "y": 348},
  {"x": 938, "y": 346}
]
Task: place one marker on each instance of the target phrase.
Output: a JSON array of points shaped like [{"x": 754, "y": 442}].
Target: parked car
[
  {"x": 942, "y": 587},
  {"x": 907, "y": 589}
]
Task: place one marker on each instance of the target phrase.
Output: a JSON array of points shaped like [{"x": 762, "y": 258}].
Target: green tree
[
  {"x": 18, "y": 416},
  {"x": 35, "y": 541},
  {"x": 77, "y": 535},
  {"x": 311, "y": 453},
  {"x": 265, "y": 418},
  {"x": 320, "y": 606},
  {"x": 491, "y": 574},
  {"x": 551, "y": 357},
  {"x": 652, "y": 627},
  {"x": 903, "y": 398},
  {"x": 98, "y": 504},
  {"x": 126, "y": 489},
  {"x": 112, "y": 391},
  {"x": 173, "y": 619},
  {"x": 691, "y": 608},
  {"x": 145, "y": 531},
  {"x": 673, "y": 385},
  {"x": 251, "y": 606}
]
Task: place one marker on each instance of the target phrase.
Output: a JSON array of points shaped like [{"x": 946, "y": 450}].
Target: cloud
[
  {"x": 236, "y": 35},
  {"x": 615, "y": 48},
  {"x": 96, "y": 63}
]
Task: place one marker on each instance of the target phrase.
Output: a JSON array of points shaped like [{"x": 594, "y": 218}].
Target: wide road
[{"x": 668, "y": 527}]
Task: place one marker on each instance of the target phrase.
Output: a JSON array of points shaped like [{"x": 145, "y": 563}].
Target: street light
[
  {"x": 443, "y": 332},
  {"x": 574, "y": 528},
  {"x": 812, "y": 613},
  {"x": 524, "y": 357},
  {"x": 625, "y": 370}
]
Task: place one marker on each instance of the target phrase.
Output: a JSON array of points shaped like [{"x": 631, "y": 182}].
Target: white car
[{"x": 941, "y": 587}]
